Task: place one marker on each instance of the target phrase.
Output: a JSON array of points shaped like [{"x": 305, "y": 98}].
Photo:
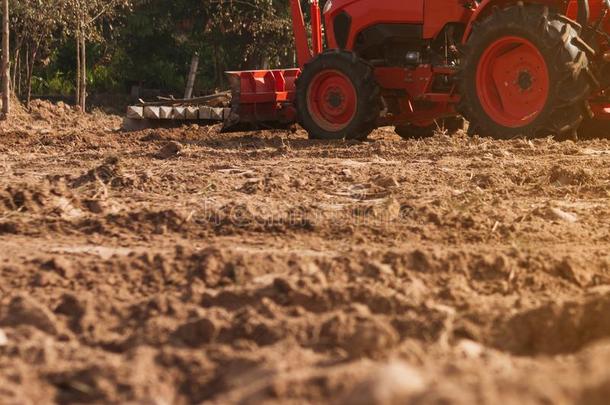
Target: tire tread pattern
[
  {"x": 567, "y": 60},
  {"x": 367, "y": 90}
]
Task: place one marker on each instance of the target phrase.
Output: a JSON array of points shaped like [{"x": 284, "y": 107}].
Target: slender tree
[
  {"x": 84, "y": 19},
  {"x": 34, "y": 25},
  {"x": 6, "y": 73}
]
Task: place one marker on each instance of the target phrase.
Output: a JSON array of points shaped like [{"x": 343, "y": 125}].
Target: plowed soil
[{"x": 179, "y": 266}]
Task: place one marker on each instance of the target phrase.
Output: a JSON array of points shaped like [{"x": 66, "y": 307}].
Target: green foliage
[
  {"x": 151, "y": 42},
  {"x": 57, "y": 85}
]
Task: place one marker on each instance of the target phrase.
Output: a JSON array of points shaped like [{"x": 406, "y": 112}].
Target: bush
[{"x": 60, "y": 85}]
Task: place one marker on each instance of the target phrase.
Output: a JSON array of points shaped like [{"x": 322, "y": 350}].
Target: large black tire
[
  {"x": 360, "y": 75},
  {"x": 449, "y": 125},
  {"x": 569, "y": 78}
]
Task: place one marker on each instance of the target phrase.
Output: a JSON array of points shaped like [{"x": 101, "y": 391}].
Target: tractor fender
[{"x": 486, "y": 6}]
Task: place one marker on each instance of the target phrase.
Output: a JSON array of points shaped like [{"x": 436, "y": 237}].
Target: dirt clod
[
  {"x": 574, "y": 272},
  {"x": 197, "y": 332},
  {"x": 386, "y": 181},
  {"x": 566, "y": 176},
  {"x": 359, "y": 335},
  {"x": 60, "y": 266},
  {"x": 76, "y": 309},
  {"x": 169, "y": 150},
  {"x": 25, "y": 310},
  {"x": 109, "y": 172}
]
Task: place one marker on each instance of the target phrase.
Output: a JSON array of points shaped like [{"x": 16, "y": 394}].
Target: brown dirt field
[{"x": 180, "y": 266}]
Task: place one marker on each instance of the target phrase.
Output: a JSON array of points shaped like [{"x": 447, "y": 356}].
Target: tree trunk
[
  {"x": 83, "y": 73},
  {"x": 190, "y": 83},
  {"x": 30, "y": 73},
  {"x": 264, "y": 62},
  {"x": 6, "y": 74},
  {"x": 19, "y": 71},
  {"x": 26, "y": 71},
  {"x": 16, "y": 67},
  {"x": 77, "y": 93},
  {"x": 218, "y": 70}
]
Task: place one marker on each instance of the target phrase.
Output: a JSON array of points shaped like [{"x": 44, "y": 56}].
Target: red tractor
[{"x": 509, "y": 68}]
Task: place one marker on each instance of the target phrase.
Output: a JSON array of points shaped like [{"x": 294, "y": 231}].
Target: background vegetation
[{"x": 146, "y": 43}]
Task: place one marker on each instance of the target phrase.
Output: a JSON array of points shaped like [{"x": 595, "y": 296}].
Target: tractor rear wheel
[
  {"x": 523, "y": 74},
  {"x": 338, "y": 97},
  {"x": 449, "y": 125}
]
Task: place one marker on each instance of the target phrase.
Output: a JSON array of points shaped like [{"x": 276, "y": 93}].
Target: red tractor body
[
  {"x": 413, "y": 64},
  {"x": 427, "y": 17}
]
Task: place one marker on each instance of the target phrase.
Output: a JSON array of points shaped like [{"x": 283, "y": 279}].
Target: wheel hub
[
  {"x": 332, "y": 100},
  {"x": 512, "y": 81},
  {"x": 335, "y": 98},
  {"x": 525, "y": 80}
]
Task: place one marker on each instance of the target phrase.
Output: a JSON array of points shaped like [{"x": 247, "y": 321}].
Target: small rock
[
  {"x": 389, "y": 384},
  {"x": 171, "y": 149},
  {"x": 3, "y": 338},
  {"x": 24, "y": 310},
  {"x": 196, "y": 333}
]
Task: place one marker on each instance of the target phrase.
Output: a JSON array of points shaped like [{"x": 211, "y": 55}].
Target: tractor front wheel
[
  {"x": 523, "y": 74},
  {"x": 338, "y": 97}
]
